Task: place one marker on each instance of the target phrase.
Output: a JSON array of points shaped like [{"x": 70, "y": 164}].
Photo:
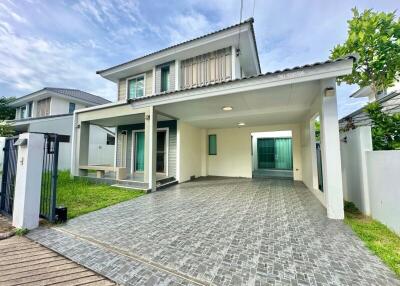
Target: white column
[
  {"x": 28, "y": 181},
  {"x": 150, "y": 130},
  {"x": 177, "y": 74},
  {"x": 81, "y": 148},
  {"x": 331, "y": 162}
]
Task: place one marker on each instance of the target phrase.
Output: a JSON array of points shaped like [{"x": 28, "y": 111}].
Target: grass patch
[
  {"x": 376, "y": 236},
  {"x": 81, "y": 196},
  {"x": 21, "y": 231}
]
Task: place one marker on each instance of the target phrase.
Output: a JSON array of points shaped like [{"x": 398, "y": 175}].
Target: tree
[
  {"x": 6, "y": 111},
  {"x": 385, "y": 128},
  {"x": 375, "y": 37},
  {"x": 6, "y": 130}
]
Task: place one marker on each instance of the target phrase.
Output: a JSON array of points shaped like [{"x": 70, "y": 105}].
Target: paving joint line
[{"x": 138, "y": 258}]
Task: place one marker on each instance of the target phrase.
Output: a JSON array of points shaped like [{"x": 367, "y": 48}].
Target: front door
[{"x": 139, "y": 151}]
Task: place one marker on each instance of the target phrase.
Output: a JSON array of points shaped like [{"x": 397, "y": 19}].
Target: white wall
[
  {"x": 354, "y": 169},
  {"x": 61, "y": 106},
  {"x": 189, "y": 151},
  {"x": 384, "y": 187},
  {"x": 234, "y": 150},
  {"x": 2, "y": 143},
  {"x": 371, "y": 178}
]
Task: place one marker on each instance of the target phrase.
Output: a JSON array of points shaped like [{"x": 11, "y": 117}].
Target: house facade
[
  {"x": 50, "y": 110},
  {"x": 204, "y": 108}
]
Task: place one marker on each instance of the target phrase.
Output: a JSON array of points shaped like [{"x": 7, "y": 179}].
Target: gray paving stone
[{"x": 222, "y": 232}]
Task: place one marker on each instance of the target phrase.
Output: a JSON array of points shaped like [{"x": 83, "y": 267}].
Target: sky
[{"x": 63, "y": 43}]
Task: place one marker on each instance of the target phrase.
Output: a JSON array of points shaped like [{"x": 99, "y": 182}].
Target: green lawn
[
  {"x": 81, "y": 196},
  {"x": 376, "y": 236}
]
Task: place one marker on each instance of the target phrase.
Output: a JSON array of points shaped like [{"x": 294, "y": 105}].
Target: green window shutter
[
  {"x": 212, "y": 144},
  {"x": 165, "y": 78}
]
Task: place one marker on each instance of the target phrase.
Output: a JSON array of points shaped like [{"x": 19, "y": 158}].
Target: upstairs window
[
  {"x": 29, "y": 113},
  {"x": 136, "y": 87},
  {"x": 43, "y": 107},
  {"x": 165, "y": 79},
  {"x": 71, "y": 107},
  {"x": 23, "y": 111}
]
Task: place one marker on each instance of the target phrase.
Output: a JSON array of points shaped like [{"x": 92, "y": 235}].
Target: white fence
[{"x": 371, "y": 179}]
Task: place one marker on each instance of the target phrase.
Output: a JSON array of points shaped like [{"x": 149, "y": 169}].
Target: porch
[{"x": 215, "y": 126}]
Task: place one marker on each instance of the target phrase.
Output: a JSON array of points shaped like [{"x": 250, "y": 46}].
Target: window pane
[
  {"x": 139, "y": 87},
  {"x": 165, "y": 79},
  {"x": 132, "y": 88},
  {"x": 212, "y": 144}
]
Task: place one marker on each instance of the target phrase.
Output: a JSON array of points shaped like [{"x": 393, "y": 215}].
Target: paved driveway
[{"x": 220, "y": 232}]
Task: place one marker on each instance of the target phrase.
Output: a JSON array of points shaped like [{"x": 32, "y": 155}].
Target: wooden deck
[{"x": 24, "y": 262}]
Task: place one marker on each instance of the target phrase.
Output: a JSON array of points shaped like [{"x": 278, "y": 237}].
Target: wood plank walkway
[{"x": 24, "y": 262}]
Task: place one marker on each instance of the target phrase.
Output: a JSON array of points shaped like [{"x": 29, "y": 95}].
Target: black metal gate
[
  {"x": 48, "y": 198},
  {"x": 8, "y": 176}
]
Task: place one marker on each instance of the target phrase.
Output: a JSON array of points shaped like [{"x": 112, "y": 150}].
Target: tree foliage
[
  {"x": 6, "y": 111},
  {"x": 385, "y": 128},
  {"x": 375, "y": 37},
  {"x": 6, "y": 130}
]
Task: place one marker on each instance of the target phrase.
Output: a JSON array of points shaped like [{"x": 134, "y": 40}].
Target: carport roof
[{"x": 350, "y": 57}]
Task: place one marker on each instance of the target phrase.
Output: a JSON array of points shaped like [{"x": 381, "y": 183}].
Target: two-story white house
[
  {"x": 203, "y": 107},
  {"x": 50, "y": 110}
]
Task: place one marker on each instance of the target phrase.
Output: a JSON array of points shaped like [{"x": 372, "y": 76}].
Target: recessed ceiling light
[
  {"x": 241, "y": 124},
  {"x": 227, "y": 108}
]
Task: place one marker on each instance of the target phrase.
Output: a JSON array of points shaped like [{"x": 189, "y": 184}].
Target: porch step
[
  {"x": 166, "y": 184},
  {"x": 131, "y": 185}
]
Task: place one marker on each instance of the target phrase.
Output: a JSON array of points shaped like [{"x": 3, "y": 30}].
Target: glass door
[
  {"x": 274, "y": 153},
  {"x": 161, "y": 151},
  {"x": 139, "y": 151},
  {"x": 266, "y": 153}
]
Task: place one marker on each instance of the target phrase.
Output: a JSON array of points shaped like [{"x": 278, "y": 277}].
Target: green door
[
  {"x": 274, "y": 153},
  {"x": 139, "y": 151},
  {"x": 266, "y": 153},
  {"x": 283, "y": 154}
]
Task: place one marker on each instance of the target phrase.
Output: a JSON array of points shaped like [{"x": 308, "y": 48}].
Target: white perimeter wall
[
  {"x": 384, "y": 187},
  {"x": 371, "y": 179}
]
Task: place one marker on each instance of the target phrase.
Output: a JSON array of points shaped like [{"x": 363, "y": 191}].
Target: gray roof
[
  {"x": 74, "y": 93},
  {"x": 79, "y": 94},
  {"x": 250, "y": 21}
]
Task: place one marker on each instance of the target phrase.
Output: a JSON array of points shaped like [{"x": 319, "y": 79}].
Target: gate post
[{"x": 28, "y": 181}]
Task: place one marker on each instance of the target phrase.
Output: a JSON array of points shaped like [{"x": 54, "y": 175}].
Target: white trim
[
  {"x": 166, "y": 147},
  {"x": 133, "y": 77},
  {"x": 126, "y": 148},
  {"x": 177, "y": 74},
  {"x": 116, "y": 147},
  {"x": 153, "y": 84}
]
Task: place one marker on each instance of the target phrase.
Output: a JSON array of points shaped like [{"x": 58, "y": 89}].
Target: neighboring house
[
  {"x": 192, "y": 109},
  {"x": 390, "y": 102},
  {"x": 50, "y": 110}
]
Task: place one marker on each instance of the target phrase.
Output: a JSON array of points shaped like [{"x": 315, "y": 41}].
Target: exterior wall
[
  {"x": 122, "y": 96},
  {"x": 384, "y": 181},
  {"x": 234, "y": 156},
  {"x": 189, "y": 146},
  {"x": 354, "y": 169},
  {"x": 61, "y": 106},
  {"x": 171, "y": 125}
]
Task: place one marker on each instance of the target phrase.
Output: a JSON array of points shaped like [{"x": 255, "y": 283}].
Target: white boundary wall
[
  {"x": 371, "y": 179},
  {"x": 384, "y": 187}
]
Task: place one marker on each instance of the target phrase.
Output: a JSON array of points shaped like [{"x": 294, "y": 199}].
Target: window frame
[
  {"x": 23, "y": 112},
  {"x": 216, "y": 149},
  {"x": 69, "y": 107},
  {"x": 134, "y": 77},
  {"x": 163, "y": 68}
]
